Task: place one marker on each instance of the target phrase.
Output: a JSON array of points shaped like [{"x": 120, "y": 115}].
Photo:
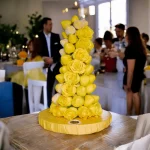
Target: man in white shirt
[
  {"x": 119, "y": 44},
  {"x": 50, "y": 51}
]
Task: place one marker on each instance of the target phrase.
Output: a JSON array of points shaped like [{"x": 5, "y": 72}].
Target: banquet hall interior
[{"x": 41, "y": 40}]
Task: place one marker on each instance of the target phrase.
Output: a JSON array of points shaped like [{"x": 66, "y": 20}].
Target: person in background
[
  {"x": 119, "y": 29},
  {"x": 134, "y": 62},
  {"x": 119, "y": 44},
  {"x": 145, "y": 38},
  {"x": 50, "y": 53},
  {"x": 97, "y": 47},
  {"x": 96, "y": 53},
  {"x": 106, "y": 59},
  {"x": 34, "y": 47}
]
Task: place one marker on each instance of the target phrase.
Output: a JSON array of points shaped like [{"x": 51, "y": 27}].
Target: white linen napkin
[
  {"x": 141, "y": 136},
  {"x": 142, "y": 127},
  {"x": 4, "y": 137},
  {"x": 140, "y": 144}
]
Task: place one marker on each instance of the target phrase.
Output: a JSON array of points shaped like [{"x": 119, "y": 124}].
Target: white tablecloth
[
  {"x": 2, "y": 64},
  {"x": 9, "y": 67},
  {"x": 112, "y": 95},
  {"x": 110, "y": 90},
  {"x": 146, "y": 97}
]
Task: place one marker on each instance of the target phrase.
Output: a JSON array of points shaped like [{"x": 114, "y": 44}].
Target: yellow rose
[
  {"x": 89, "y": 100},
  {"x": 77, "y": 101},
  {"x": 63, "y": 42},
  {"x": 78, "y": 24},
  {"x": 55, "y": 98},
  {"x": 89, "y": 69},
  {"x": 60, "y": 78},
  {"x": 92, "y": 78},
  {"x": 84, "y": 80},
  {"x": 84, "y": 23},
  {"x": 64, "y": 101},
  {"x": 74, "y": 18},
  {"x": 85, "y": 43},
  {"x": 65, "y": 23},
  {"x": 59, "y": 111},
  {"x": 52, "y": 107},
  {"x": 82, "y": 55},
  {"x": 65, "y": 59},
  {"x": 81, "y": 91},
  {"x": 71, "y": 78},
  {"x": 64, "y": 35},
  {"x": 69, "y": 48},
  {"x": 96, "y": 98},
  {"x": 90, "y": 88},
  {"x": 71, "y": 113},
  {"x": 96, "y": 109},
  {"x": 68, "y": 90},
  {"x": 84, "y": 112},
  {"x": 70, "y": 30},
  {"x": 58, "y": 88},
  {"x": 72, "y": 38},
  {"x": 85, "y": 32},
  {"x": 77, "y": 66},
  {"x": 62, "y": 52},
  {"x": 63, "y": 69}
]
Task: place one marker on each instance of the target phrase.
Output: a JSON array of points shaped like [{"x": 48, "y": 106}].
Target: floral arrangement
[
  {"x": 22, "y": 57},
  {"x": 74, "y": 97}
]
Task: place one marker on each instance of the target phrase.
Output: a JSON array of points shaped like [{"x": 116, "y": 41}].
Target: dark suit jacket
[{"x": 55, "y": 47}]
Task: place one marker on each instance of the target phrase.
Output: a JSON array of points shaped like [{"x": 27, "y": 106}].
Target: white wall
[
  {"x": 92, "y": 23},
  {"x": 139, "y": 14},
  {"x": 54, "y": 11},
  {"x": 16, "y": 11}
]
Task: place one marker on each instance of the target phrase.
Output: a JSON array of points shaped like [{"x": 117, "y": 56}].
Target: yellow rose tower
[{"x": 74, "y": 109}]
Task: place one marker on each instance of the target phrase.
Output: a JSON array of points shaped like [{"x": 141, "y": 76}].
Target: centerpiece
[{"x": 74, "y": 109}]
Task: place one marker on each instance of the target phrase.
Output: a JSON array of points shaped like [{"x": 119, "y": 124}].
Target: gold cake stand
[{"x": 77, "y": 126}]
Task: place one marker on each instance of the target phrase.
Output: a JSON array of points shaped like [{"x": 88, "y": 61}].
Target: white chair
[
  {"x": 32, "y": 65},
  {"x": 2, "y": 75},
  {"x": 34, "y": 95},
  {"x": 26, "y": 67}
]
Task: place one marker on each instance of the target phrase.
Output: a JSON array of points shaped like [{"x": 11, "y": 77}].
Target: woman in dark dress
[{"x": 134, "y": 62}]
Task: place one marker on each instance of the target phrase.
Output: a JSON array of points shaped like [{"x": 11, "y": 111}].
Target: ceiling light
[
  {"x": 66, "y": 9},
  {"x": 76, "y": 3},
  {"x": 92, "y": 10}
]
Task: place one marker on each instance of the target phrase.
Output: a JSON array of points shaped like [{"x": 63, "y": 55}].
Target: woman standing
[
  {"x": 106, "y": 59},
  {"x": 134, "y": 62}
]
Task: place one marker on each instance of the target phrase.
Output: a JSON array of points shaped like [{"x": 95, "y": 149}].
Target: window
[
  {"x": 118, "y": 11},
  {"x": 107, "y": 20},
  {"x": 91, "y": 10},
  {"x": 104, "y": 18}
]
